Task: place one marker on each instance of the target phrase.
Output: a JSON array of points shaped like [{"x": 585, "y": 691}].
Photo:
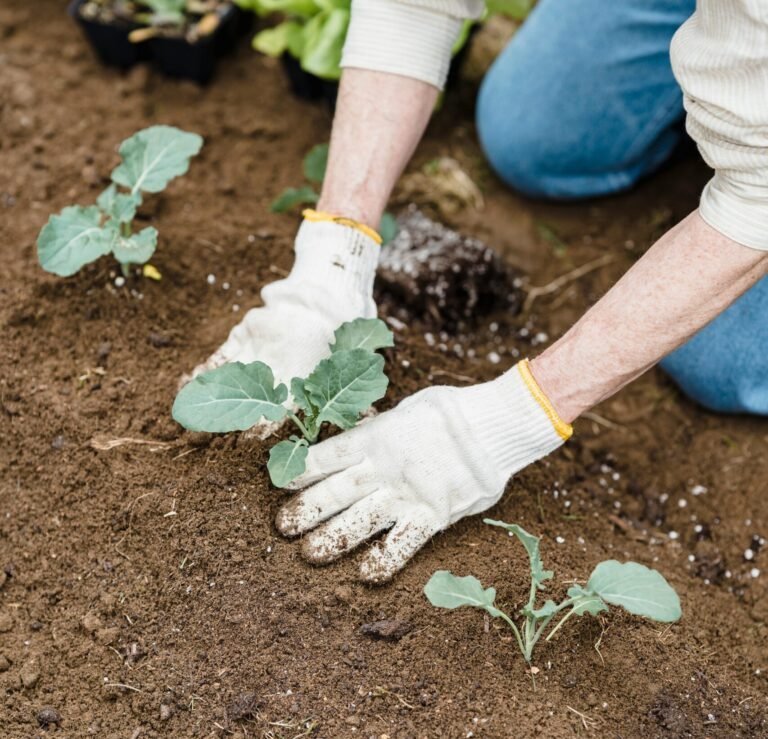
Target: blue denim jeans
[{"x": 583, "y": 103}]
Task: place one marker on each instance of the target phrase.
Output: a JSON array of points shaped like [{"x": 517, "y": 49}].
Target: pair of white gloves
[{"x": 441, "y": 454}]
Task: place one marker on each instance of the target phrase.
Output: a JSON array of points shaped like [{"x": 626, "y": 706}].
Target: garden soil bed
[{"x": 144, "y": 591}]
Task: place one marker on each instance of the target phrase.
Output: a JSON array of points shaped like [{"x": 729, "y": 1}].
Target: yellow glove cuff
[
  {"x": 317, "y": 215},
  {"x": 564, "y": 430}
]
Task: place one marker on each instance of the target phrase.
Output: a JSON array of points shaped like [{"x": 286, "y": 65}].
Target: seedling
[
  {"x": 314, "y": 165},
  {"x": 80, "y": 235},
  {"x": 235, "y": 396},
  {"x": 635, "y": 587}
]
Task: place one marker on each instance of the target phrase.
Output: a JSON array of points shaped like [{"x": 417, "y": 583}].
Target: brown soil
[{"x": 145, "y": 591}]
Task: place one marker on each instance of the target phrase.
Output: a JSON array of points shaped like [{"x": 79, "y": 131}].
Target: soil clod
[
  {"x": 48, "y": 716},
  {"x": 437, "y": 275},
  {"x": 245, "y": 706},
  {"x": 389, "y": 629}
]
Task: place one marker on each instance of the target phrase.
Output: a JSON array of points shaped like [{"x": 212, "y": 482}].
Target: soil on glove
[{"x": 144, "y": 591}]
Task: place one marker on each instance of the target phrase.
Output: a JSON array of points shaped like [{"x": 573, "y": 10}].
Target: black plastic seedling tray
[{"x": 174, "y": 57}]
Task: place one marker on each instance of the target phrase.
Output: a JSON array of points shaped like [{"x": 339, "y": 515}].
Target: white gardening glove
[
  {"x": 442, "y": 454},
  {"x": 331, "y": 282}
]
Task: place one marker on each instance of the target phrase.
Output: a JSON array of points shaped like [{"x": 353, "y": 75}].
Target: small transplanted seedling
[
  {"x": 314, "y": 165},
  {"x": 236, "y": 396},
  {"x": 80, "y": 235},
  {"x": 635, "y": 587}
]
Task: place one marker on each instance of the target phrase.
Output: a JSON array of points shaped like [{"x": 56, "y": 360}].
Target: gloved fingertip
[
  {"x": 376, "y": 569},
  {"x": 318, "y": 550},
  {"x": 285, "y": 522}
]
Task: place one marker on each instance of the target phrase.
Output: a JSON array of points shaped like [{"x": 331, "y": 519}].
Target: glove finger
[
  {"x": 325, "y": 499},
  {"x": 385, "y": 560},
  {"x": 348, "y": 530},
  {"x": 326, "y": 458}
]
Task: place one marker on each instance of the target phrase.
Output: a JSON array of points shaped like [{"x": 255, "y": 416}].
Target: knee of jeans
[
  {"x": 715, "y": 386},
  {"x": 512, "y": 143}
]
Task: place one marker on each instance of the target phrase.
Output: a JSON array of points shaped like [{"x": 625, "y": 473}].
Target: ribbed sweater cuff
[
  {"x": 336, "y": 256},
  {"x": 391, "y": 36},
  {"x": 513, "y": 425},
  {"x": 736, "y": 211}
]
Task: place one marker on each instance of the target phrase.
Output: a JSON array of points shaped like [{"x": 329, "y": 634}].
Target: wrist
[
  {"x": 514, "y": 420},
  {"x": 554, "y": 384}
]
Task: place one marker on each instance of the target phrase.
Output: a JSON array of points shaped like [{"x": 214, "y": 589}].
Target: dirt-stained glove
[
  {"x": 442, "y": 454},
  {"x": 331, "y": 282}
]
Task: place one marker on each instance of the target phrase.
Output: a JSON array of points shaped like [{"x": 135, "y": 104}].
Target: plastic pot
[{"x": 173, "y": 56}]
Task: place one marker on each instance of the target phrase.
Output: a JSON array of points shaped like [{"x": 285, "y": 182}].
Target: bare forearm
[
  {"x": 379, "y": 120},
  {"x": 684, "y": 281}
]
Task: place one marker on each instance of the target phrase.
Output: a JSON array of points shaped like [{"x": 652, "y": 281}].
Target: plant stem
[
  {"x": 125, "y": 268},
  {"x": 516, "y": 631},
  {"x": 311, "y": 438},
  {"x": 561, "y": 622}
]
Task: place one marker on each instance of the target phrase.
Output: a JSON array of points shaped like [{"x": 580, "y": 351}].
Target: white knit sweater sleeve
[
  {"x": 720, "y": 59},
  {"x": 412, "y": 38}
]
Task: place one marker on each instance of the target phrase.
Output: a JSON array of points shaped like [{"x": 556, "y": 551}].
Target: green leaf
[
  {"x": 445, "y": 590},
  {"x": 362, "y": 333},
  {"x": 154, "y": 156},
  {"x": 346, "y": 384},
  {"x": 544, "y": 612},
  {"x": 315, "y": 163},
  {"x": 287, "y": 460},
  {"x": 586, "y": 602},
  {"x": 387, "y": 228},
  {"x": 276, "y": 41},
  {"x": 637, "y": 588},
  {"x": 137, "y": 248},
  {"x": 303, "y": 8},
  {"x": 324, "y": 37},
  {"x": 300, "y": 397},
  {"x": 232, "y": 397},
  {"x": 73, "y": 238},
  {"x": 119, "y": 206},
  {"x": 517, "y": 9},
  {"x": 531, "y": 544},
  {"x": 293, "y": 196}
]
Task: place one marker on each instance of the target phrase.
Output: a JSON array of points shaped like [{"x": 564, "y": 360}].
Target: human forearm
[
  {"x": 684, "y": 281},
  {"x": 379, "y": 120}
]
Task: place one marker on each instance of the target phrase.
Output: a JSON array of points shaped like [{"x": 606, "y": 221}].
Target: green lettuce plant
[
  {"x": 314, "y": 31},
  {"x": 314, "y": 165},
  {"x": 638, "y": 589},
  {"x": 236, "y": 396},
  {"x": 79, "y": 234}
]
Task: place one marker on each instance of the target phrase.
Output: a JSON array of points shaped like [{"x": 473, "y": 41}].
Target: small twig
[
  {"x": 452, "y": 375},
  {"x": 104, "y": 445},
  {"x": 585, "y": 720},
  {"x": 601, "y": 420},
  {"x": 123, "y": 685},
  {"x": 556, "y": 284}
]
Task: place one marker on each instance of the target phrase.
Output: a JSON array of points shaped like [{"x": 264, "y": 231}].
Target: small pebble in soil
[
  {"x": 698, "y": 490},
  {"x": 29, "y": 674},
  {"x": 673, "y": 535},
  {"x": 211, "y": 279},
  {"x": 390, "y": 629},
  {"x": 48, "y": 716},
  {"x": 225, "y": 286},
  {"x": 749, "y": 555},
  {"x": 166, "y": 712},
  {"x": 119, "y": 281},
  {"x": 754, "y": 572},
  {"x": 5, "y": 663},
  {"x": 560, "y": 540},
  {"x": 235, "y": 308}
]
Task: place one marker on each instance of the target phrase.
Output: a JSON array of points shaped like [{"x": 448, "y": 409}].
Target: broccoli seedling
[
  {"x": 80, "y": 235},
  {"x": 635, "y": 587},
  {"x": 314, "y": 165},
  {"x": 235, "y": 396}
]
